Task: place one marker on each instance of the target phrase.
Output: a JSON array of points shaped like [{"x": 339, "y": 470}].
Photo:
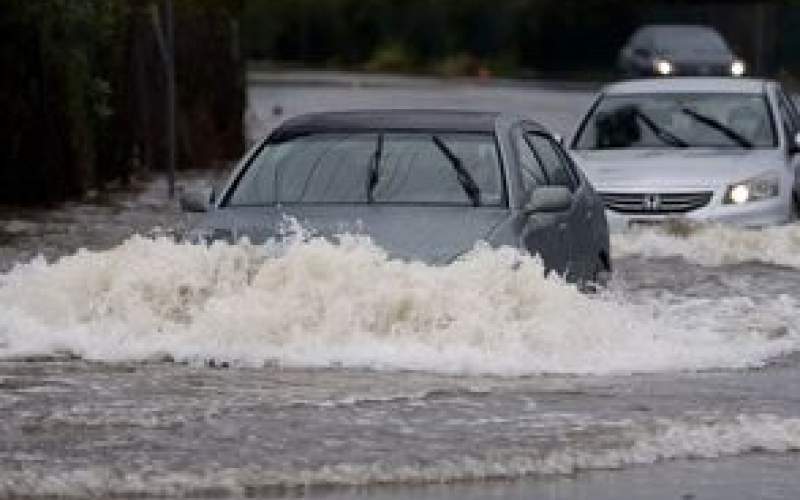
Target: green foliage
[
  {"x": 510, "y": 37},
  {"x": 461, "y": 64},
  {"x": 444, "y": 36},
  {"x": 391, "y": 57},
  {"x": 61, "y": 50}
]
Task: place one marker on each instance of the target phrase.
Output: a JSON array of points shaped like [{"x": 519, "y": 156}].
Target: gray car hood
[
  {"x": 673, "y": 167},
  {"x": 430, "y": 234}
]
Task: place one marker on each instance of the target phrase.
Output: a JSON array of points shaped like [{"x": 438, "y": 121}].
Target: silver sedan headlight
[{"x": 766, "y": 185}]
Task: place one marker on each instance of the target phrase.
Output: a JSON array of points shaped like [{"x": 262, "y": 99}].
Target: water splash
[
  {"x": 716, "y": 245},
  {"x": 308, "y": 302}
]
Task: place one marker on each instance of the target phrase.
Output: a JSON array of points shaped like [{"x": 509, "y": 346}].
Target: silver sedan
[{"x": 693, "y": 149}]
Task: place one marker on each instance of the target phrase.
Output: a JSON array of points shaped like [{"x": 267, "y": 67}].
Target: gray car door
[
  {"x": 543, "y": 233},
  {"x": 575, "y": 224}
]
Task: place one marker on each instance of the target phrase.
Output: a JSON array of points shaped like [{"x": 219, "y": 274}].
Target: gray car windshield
[
  {"x": 678, "y": 121},
  {"x": 376, "y": 168}
]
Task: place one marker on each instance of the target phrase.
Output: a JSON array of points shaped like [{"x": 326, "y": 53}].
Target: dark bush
[{"x": 83, "y": 92}]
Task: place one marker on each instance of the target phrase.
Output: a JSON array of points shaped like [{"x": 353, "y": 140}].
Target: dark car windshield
[
  {"x": 364, "y": 167},
  {"x": 678, "y": 120},
  {"x": 685, "y": 40}
]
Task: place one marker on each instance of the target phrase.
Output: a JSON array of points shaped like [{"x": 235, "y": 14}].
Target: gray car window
[
  {"x": 414, "y": 169},
  {"x": 642, "y": 38},
  {"x": 257, "y": 184},
  {"x": 533, "y": 173},
  {"x": 326, "y": 168},
  {"x": 554, "y": 163},
  {"x": 319, "y": 168},
  {"x": 335, "y": 168}
]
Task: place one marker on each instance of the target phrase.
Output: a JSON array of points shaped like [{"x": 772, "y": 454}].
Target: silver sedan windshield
[{"x": 678, "y": 120}]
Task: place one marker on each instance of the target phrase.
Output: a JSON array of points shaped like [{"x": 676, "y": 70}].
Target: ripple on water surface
[{"x": 665, "y": 440}]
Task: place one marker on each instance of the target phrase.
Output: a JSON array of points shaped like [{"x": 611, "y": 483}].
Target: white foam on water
[
  {"x": 715, "y": 245},
  {"x": 317, "y": 304},
  {"x": 669, "y": 440}
]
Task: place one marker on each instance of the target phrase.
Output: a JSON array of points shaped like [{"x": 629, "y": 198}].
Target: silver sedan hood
[{"x": 674, "y": 168}]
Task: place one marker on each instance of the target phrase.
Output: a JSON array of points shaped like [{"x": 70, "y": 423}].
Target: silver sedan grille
[{"x": 656, "y": 203}]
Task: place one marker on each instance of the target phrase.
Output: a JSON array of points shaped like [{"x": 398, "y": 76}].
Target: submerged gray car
[{"x": 425, "y": 185}]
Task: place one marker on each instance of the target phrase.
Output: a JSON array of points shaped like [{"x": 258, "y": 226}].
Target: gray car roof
[
  {"x": 388, "y": 119},
  {"x": 689, "y": 84},
  {"x": 672, "y": 28}
]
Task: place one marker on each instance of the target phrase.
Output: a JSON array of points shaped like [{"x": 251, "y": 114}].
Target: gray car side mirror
[
  {"x": 549, "y": 199},
  {"x": 197, "y": 200}
]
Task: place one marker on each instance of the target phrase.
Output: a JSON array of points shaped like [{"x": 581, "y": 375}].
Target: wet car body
[
  {"x": 562, "y": 219},
  {"x": 651, "y": 181},
  {"x": 678, "y": 50}
]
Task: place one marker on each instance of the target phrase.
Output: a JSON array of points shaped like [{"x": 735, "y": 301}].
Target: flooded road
[{"x": 152, "y": 368}]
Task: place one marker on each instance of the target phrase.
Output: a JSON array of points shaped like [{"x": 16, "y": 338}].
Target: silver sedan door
[{"x": 790, "y": 120}]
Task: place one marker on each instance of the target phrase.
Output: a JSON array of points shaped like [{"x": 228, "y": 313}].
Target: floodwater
[{"x": 147, "y": 367}]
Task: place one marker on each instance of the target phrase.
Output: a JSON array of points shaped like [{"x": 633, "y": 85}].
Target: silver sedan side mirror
[
  {"x": 196, "y": 200},
  {"x": 794, "y": 147},
  {"x": 549, "y": 199}
]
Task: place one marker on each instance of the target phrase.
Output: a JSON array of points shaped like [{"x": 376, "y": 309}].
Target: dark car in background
[
  {"x": 425, "y": 185},
  {"x": 678, "y": 50}
]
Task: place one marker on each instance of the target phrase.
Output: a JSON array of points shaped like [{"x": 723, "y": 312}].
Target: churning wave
[
  {"x": 312, "y": 303},
  {"x": 716, "y": 245}
]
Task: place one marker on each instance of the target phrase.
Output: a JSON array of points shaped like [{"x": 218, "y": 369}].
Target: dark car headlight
[
  {"x": 738, "y": 68},
  {"x": 663, "y": 67}
]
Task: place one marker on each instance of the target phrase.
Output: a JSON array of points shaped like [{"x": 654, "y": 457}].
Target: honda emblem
[{"x": 651, "y": 202}]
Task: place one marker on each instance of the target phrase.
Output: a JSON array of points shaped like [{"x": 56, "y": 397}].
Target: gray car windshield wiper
[
  {"x": 727, "y": 131},
  {"x": 374, "y": 172},
  {"x": 464, "y": 178},
  {"x": 664, "y": 135}
]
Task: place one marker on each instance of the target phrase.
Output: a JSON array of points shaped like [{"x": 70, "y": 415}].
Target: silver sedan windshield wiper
[
  {"x": 727, "y": 131},
  {"x": 664, "y": 135},
  {"x": 464, "y": 178}
]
